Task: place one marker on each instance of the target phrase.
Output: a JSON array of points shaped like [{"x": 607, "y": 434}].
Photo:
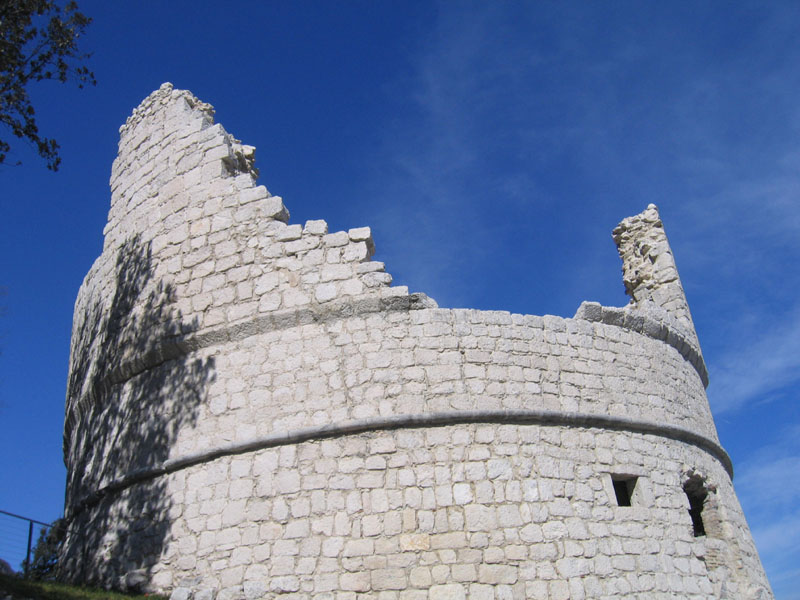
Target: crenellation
[{"x": 254, "y": 411}]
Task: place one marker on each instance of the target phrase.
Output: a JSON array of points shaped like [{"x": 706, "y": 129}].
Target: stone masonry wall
[{"x": 254, "y": 412}]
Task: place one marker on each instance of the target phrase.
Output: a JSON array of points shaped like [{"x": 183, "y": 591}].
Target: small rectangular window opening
[
  {"x": 623, "y": 488},
  {"x": 697, "y": 494}
]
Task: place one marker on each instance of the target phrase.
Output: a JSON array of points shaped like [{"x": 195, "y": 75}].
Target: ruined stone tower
[{"x": 253, "y": 412}]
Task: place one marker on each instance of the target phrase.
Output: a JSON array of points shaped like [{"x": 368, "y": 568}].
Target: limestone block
[
  {"x": 301, "y": 245},
  {"x": 318, "y": 227},
  {"x": 509, "y": 516},
  {"x": 449, "y": 541},
  {"x": 294, "y": 297},
  {"x": 254, "y": 589},
  {"x": 286, "y": 583},
  {"x": 287, "y": 482},
  {"x": 369, "y": 267},
  {"x": 289, "y": 233},
  {"x": 415, "y": 542},
  {"x": 450, "y": 591},
  {"x": 499, "y": 573},
  {"x": 180, "y": 593},
  {"x": 389, "y": 579},
  {"x": 325, "y": 292},
  {"x": 360, "y": 234},
  {"x": 479, "y": 517},
  {"x": 376, "y": 279},
  {"x": 356, "y": 547},
  {"x": 336, "y": 240},
  {"x": 335, "y": 272},
  {"x": 356, "y": 582},
  {"x": 356, "y": 252},
  {"x": 252, "y": 194}
]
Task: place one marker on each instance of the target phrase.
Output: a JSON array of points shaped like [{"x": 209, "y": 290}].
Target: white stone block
[
  {"x": 335, "y": 240},
  {"x": 356, "y": 252},
  {"x": 479, "y": 517},
  {"x": 360, "y": 234},
  {"x": 254, "y": 193},
  {"x": 289, "y": 233},
  {"x": 318, "y": 227},
  {"x": 284, "y": 584},
  {"x": 450, "y": 591},
  {"x": 325, "y": 292},
  {"x": 181, "y": 593}
]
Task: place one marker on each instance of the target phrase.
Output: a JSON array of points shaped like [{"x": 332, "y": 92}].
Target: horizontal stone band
[
  {"x": 412, "y": 421},
  {"x": 175, "y": 348},
  {"x": 652, "y": 328}
]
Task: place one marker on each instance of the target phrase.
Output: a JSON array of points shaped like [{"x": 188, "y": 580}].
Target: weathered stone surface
[
  {"x": 253, "y": 412},
  {"x": 447, "y": 592},
  {"x": 180, "y": 593}
]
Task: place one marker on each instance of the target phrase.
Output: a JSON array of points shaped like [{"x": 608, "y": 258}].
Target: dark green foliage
[
  {"x": 22, "y": 588},
  {"x": 45, "y": 553},
  {"x": 38, "y": 41}
]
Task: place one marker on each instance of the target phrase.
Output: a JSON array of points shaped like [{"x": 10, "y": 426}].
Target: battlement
[{"x": 253, "y": 411}]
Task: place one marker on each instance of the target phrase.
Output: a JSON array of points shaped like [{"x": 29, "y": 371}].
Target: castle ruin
[{"x": 254, "y": 412}]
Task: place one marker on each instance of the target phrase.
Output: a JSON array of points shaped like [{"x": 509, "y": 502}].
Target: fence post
[
  {"x": 28, "y": 555},
  {"x": 27, "y": 563}
]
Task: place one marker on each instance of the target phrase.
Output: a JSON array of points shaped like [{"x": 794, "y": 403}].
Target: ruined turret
[{"x": 254, "y": 411}]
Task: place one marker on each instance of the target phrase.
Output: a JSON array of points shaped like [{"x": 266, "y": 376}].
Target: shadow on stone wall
[{"x": 144, "y": 390}]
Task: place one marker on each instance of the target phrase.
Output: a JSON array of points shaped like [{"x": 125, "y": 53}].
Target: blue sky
[{"x": 492, "y": 147}]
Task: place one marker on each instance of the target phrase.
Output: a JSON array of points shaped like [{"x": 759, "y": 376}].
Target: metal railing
[{"x": 16, "y": 538}]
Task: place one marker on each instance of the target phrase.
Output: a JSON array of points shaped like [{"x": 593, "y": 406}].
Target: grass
[{"x": 48, "y": 590}]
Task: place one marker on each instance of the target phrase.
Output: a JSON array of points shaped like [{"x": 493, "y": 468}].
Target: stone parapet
[{"x": 656, "y": 324}]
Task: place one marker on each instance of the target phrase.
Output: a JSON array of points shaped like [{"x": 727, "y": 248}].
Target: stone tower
[{"x": 253, "y": 412}]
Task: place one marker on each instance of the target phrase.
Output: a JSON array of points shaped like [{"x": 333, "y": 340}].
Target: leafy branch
[{"x": 38, "y": 42}]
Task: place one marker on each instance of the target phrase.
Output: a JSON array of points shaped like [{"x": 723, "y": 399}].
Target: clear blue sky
[{"x": 492, "y": 147}]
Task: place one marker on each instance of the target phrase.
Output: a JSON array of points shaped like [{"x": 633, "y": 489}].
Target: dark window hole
[
  {"x": 623, "y": 489},
  {"x": 697, "y": 494}
]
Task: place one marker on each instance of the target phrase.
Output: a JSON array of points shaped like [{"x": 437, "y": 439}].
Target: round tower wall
[
  {"x": 476, "y": 510},
  {"x": 253, "y": 410}
]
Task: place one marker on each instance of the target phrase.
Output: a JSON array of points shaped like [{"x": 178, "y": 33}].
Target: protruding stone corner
[
  {"x": 363, "y": 234},
  {"x": 589, "y": 311},
  {"x": 649, "y": 272},
  {"x": 275, "y": 209},
  {"x": 420, "y": 301}
]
